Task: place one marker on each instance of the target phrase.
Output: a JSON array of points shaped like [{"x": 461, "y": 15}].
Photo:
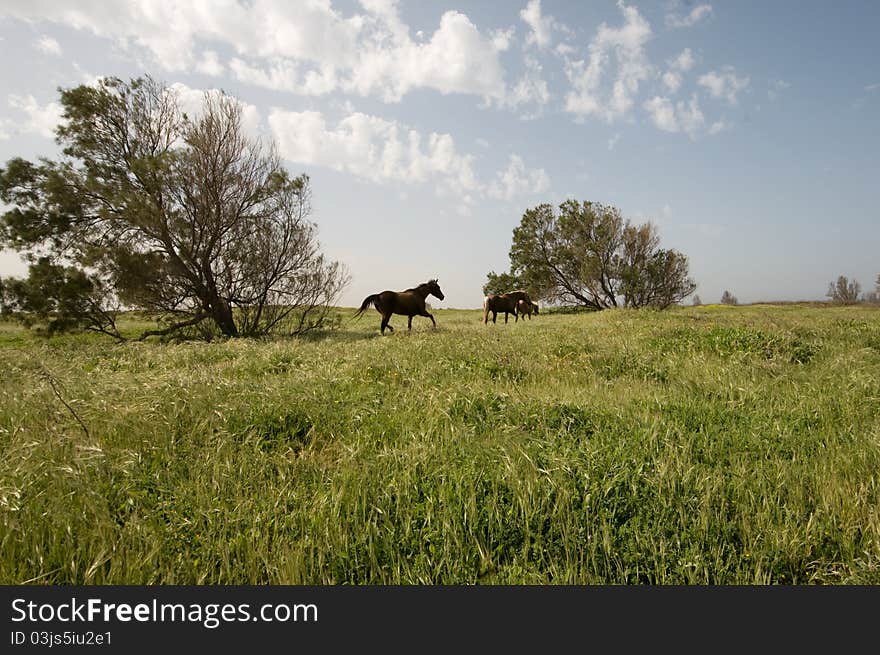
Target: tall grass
[{"x": 710, "y": 445}]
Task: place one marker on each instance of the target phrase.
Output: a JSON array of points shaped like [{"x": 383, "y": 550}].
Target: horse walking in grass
[
  {"x": 497, "y": 303},
  {"x": 505, "y": 302},
  {"x": 407, "y": 303},
  {"x": 526, "y": 308}
]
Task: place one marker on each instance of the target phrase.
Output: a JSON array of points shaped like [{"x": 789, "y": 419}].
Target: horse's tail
[{"x": 369, "y": 300}]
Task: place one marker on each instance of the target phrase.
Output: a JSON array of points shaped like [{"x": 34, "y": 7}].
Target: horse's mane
[{"x": 422, "y": 285}]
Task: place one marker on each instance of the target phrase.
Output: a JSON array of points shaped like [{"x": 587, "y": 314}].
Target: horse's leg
[
  {"x": 385, "y": 319},
  {"x": 409, "y": 324},
  {"x": 425, "y": 312}
]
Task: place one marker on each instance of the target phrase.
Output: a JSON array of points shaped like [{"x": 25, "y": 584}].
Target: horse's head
[{"x": 434, "y": 289}]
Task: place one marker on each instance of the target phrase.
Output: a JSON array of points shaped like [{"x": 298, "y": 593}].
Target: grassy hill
[{"x": 714, "y": 444}]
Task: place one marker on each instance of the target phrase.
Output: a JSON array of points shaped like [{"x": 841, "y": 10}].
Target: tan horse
[
  {"x": 407, "y": 303},
  {"x": 526, "y": 308},
  {"x": 505, "y": 302}
]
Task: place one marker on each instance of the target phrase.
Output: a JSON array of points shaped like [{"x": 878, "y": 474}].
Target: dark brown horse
[
  {"x": 505, "y": 302},
  {"x": 526, "y": 308},
  {"x": 408, "y": 303}
]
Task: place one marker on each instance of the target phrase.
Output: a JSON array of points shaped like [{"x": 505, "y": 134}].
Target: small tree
[
  {"x": 844, "y": 291},
  {"x": 587, "y": 254},
  {"x": 728, "y": 298},
  {"x": 697, "y": 302}
]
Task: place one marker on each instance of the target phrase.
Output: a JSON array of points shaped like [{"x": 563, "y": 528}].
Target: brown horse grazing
[
  {"x": 408, "y": 303},
  {"x": 526, "y": 308},
  {"x": 505, "y": 302}
]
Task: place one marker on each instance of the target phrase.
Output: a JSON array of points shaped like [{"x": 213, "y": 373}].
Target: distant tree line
[
  {"x": 844, "y": 291},
  {"x": 587, "y": 254},
  {"x": 728, "y": 298}
]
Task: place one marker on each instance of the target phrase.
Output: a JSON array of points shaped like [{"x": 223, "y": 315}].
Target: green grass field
[{"x": 711, "y": 445}]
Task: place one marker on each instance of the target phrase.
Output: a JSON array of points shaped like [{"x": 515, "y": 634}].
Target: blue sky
[{"x": 747, "y": 131}]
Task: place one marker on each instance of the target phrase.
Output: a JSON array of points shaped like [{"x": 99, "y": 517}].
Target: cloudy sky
[{"x": 747, "y": 131}]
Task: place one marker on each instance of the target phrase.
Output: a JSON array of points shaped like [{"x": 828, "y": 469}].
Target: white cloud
[
  {"x": 541, "y": 33},
  {"x": 48, "y": 45},
  {"x": 690, "y": 117},
  {"x": 717, "y": 127},
  {"x": 565, "y": 50},
  {"x": 724, "y": 84},
  {"x": 541, "y": 28},
  {"x": 678, "y": 117},
  {"x": 872, "y": 87},
  {"x": 306, "y": 47},
  {"x": 612, "y": 142},
  {"x": 191, "y": 102},
  {"x": 210, "y": 64},
  {"x": 531, "y": 88},
  {"x": 384, "y": 151},
  {"x": 41, "y": 120},
  {"x": 457, "y": 59},
  {"x": 286, "y": 75},
  {"x": 516, "y": 180},
  {"x": 626, "y": 46},
  {"x": 672, "y": 80},
  {"x": 695, "y": 16},
  {"x": 684, "y": 62},
  {"x": 662, "y": 113},
  {"x": 501, "y": 39},
  {"x": 372, "y": 148}
]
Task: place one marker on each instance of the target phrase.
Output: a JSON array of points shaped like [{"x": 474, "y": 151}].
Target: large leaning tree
[
  {"x": 587, "y": 254},
  {"x": 187, "y": 218}
]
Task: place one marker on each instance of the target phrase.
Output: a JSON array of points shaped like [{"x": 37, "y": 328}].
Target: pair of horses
[{"x": 513, "y": 302}]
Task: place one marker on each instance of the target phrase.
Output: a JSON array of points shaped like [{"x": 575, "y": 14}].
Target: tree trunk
[{"x": 221, "y": 312}]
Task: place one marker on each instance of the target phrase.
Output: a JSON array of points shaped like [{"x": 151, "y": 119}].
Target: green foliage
[
  {"x": 58, "y": 298},
  {"x": 701, "y": 445},
  {"x": 739, "y": 342},
  {"x": 587, "y": 254},
  {"x": 498, "y": 283},
  {"x": 186, "y": 218}
]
